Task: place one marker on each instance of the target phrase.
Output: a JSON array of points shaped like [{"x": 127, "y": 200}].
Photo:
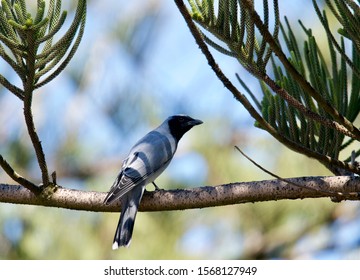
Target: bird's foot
[{"x": 156, "y": 187}]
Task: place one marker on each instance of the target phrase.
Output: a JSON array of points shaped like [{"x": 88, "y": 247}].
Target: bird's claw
[{"x": 156, "y": 187}]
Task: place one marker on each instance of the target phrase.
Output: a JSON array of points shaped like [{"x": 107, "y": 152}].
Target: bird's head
[{"x": 180, "y": 124}]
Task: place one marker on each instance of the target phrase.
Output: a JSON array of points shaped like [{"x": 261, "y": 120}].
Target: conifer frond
[
  {"x": 329, "y": 79},
  {"x": 234, "y": 27},
  {"x": 23, "y": 35},
  {"x": 310, "y": 102}
]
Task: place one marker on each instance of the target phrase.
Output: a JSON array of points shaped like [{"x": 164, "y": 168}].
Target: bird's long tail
[{"x": 129, "y": 207}]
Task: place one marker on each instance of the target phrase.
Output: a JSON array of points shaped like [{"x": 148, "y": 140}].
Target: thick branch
[{"x": 338, "y": 188}]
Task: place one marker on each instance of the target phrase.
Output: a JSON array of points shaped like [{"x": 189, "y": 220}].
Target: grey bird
[{"x": 146, "y": 161}]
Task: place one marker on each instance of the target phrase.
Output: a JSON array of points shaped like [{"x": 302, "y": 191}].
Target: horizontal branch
[{"x": 337, "y": 188}]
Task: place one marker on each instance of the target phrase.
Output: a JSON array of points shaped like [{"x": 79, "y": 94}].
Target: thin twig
[
  {"x": 29, "y": 120},
  {"x": 17, "y": 178},
  {"x": 324, "y": 192}
]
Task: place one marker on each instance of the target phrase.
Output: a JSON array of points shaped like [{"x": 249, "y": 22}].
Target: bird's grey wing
[
  {"x": 146, "y": 161},
  {"x": 126, "y": 180}
]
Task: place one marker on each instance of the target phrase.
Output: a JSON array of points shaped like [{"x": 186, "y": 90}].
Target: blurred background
[{"x": 138, "y": 64}]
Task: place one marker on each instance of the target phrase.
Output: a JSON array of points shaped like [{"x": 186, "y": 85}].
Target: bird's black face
[{"x": 180, "y": 124}]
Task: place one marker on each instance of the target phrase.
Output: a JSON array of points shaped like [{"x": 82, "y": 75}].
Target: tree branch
[{"x": 337, "y": 188}]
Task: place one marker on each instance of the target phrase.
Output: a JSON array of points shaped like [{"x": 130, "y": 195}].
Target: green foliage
[
  {"x": 22, "y": 36},
  {"x": 333, "y": 84},
  {"x": 310, "y": 103},
  {"x": 234, "y": 26}
]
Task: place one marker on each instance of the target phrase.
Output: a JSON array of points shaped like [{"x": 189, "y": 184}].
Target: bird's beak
[{"x": 194, "y": 122}]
